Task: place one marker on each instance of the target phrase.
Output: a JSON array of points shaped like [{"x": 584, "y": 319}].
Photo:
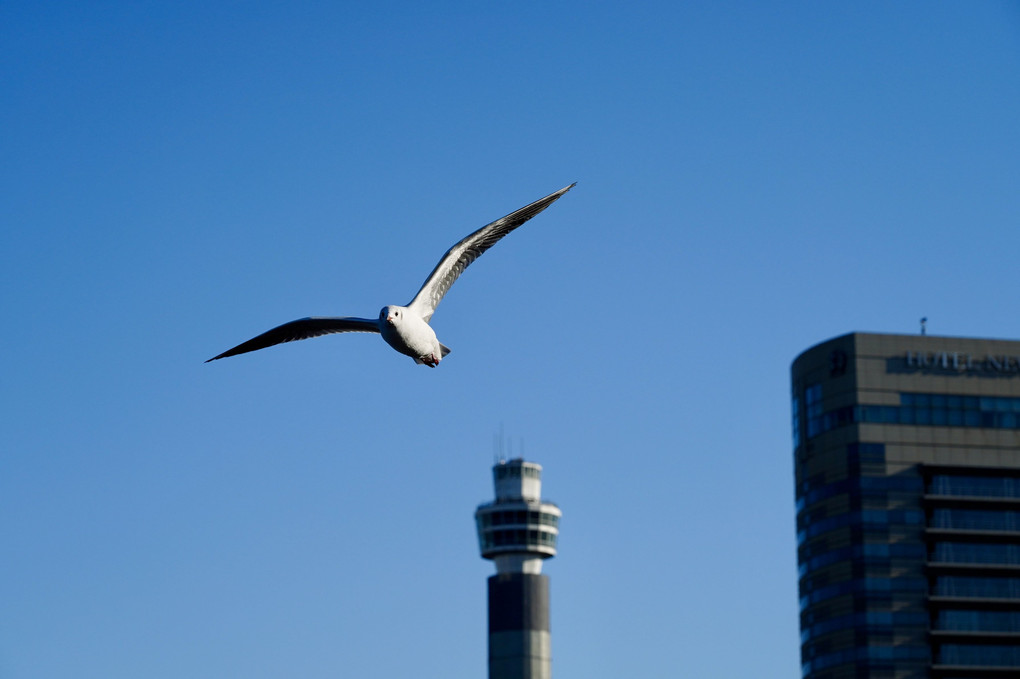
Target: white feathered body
[{"x": 408, "y": 333}]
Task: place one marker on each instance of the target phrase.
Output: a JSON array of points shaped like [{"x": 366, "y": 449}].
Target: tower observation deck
[{"x": 518, "y": 531}]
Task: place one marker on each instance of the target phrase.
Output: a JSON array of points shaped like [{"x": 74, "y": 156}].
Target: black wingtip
[
  {"x": 228, "y": 352},
  {"x": 225, "y": 354}
]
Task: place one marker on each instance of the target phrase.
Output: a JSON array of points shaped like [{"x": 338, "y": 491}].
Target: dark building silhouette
[{"x": 907, "y": 459}]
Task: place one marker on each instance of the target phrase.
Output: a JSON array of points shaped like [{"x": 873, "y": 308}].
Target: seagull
[{"x": 406, "y": 328}]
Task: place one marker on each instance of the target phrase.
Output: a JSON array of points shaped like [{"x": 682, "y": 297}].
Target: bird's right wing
[
  {"x": 460, "y": 256},
  {"x": 300, "y": 329}
]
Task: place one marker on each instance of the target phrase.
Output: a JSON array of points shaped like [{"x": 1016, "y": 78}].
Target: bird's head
[{"x": 390, "y": 314}]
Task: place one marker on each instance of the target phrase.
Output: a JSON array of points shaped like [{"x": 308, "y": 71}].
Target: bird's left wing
[
  {"x": 300, "y": 329},
  {"x": 457, "y": 258}
]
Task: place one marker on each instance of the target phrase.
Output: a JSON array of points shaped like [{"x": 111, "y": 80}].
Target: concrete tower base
[{"x": 519, "y": 641}]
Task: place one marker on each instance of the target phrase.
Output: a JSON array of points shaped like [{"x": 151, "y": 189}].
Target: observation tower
[{"x": 518, "y": 531}]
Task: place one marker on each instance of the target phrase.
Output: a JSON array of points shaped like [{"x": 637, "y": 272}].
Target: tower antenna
[{"x": 499, "y": 445}]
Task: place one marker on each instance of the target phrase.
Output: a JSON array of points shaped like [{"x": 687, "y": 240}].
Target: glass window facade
[
  {"x": 963, "y": 620},
  {"x": 854, "y": 583},
  {"x": 888, "y": 585},
  {"x": 990, "y": 412},
  {"x": 979, "y": 655},
  {"x": 813, "y": 407},
  {"x": 974, "y": 486},
  {"x": 977, "y": 587},
  {"x": 975, "y": 519},
  {"x": 976, "y": 553},
  {"x": 516, "y": 527},
  {"x": 517, "y": 537},
  {"x": 518, "y": 517},
  {"x": 983, "y": 567},
  {"x": 516, "y": 471}
]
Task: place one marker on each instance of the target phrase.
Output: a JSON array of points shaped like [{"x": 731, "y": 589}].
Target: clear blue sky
[{"x": 175, "y": 178}]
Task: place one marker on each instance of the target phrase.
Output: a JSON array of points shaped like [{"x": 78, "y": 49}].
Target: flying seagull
[{"x": 406, "y": 328}]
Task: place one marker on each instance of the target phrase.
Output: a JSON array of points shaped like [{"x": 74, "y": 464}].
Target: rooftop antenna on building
[{"x": 924, "y": 323}]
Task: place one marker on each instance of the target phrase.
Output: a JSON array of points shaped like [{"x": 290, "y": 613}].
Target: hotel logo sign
[{"x": 961, "y": 363}]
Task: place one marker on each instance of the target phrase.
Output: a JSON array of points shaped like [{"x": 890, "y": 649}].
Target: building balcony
[
  {"x": 961, "y": 637},
  {"x": 972, "y": 602},
  {"x": 971, "y": 535},
  {"x": 975, "y": 569},
  {"x": 973, "y": 672},
  {"x": 971, "y": 501}
]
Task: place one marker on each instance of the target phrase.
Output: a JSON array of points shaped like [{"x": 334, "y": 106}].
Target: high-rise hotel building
[{"x": 907, "y": 459}]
